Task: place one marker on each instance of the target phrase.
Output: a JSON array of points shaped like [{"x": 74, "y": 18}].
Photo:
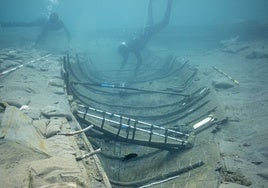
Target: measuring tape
[
  {"x": 220, "y": 71},
  {"x": 20, "y": 66}
]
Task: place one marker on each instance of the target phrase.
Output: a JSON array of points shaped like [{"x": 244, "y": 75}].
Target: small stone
[
  {"x": 70, "y": 98},
  {"x": 216, "y": 129},
  {"x": 44, "y": 69},
  {"x": 59, "y": 92},
  {"x": 29, "y": 90},
  {"x": 56, "y": 83},
  {"x": 230, "y": 139},
  {"x": 222, "y": 85},
  {"x": 246, "y": 144},
  {"x": 51, "y": 111},
  {"x": 15, "y": 103},
  {"x": 257, "y": 162}
]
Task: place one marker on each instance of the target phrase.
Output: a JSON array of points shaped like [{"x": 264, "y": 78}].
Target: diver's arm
[
  {"x": 65, "y": 30},
  {"x": 67, "y": 33}
]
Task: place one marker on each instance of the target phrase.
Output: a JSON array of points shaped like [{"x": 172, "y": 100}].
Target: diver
[
  {"x": 138, "y": 43},
  {"x": 52, "y": 23}
]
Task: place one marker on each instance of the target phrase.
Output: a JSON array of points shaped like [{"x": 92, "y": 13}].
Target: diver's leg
[
  {"x": 147, "y": 28},
  {"x": 168, "y": 11},
  {"x": 157, "y": 27},
  {"x": 150, "y": 20},
  {"x": 139, "y": 61},
  {"x": 149, "y": 23},
  {"x": 124, "y": 62}
]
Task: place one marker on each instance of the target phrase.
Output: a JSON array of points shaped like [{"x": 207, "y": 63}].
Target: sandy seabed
[
  {"x": 243, "y": 142},
  {"x": 241, "y": 89}
]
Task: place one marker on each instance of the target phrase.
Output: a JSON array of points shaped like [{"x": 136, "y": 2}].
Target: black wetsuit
[
  {"x": 52, "y": 25},
  {"x": 138, "y": 43}
]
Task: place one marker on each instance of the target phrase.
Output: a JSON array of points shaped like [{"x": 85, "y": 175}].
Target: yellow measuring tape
[{"x": 220, "y": 71}]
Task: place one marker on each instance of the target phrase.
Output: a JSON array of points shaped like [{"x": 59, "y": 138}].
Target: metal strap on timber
[{"x": 133, "y": 131}]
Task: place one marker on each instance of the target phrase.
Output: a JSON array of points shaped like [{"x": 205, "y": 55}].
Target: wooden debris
[
  {"x": 76, "y": 132},
  {"x": 88, "y": 155}
]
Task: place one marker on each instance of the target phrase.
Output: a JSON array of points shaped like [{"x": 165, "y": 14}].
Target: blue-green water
[{"x": 123, "y": 19}]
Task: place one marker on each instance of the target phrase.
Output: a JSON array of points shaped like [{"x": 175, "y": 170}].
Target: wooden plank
[{"x": 139, "y": 138}]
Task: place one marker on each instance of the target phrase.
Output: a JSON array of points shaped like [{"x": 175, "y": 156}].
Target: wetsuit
[
  {"x": 138, "y": 43},
  {"x": 52, "y": 24}
]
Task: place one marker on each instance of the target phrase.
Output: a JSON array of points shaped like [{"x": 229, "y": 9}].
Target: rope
[{"x": 20, "y": 66}]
